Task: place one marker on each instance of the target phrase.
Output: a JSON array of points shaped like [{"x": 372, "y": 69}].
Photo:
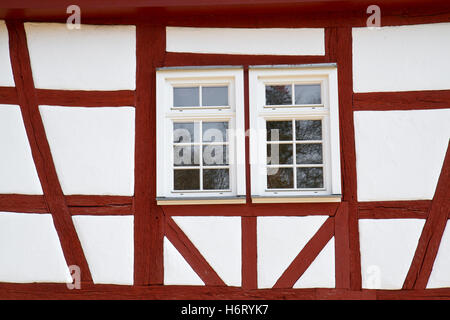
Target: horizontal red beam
[
  {"x": 394, "y": 209},
  {"x": 23, "y": 203},
  {"x": 8, "y": 95},
  {"x": 250, "y": 13},
  {"x": 176, "y": 59},
  {"x": 408, "y": 100},
  {"x": 16, "y": 291},
  {"x": 78, "y": 204},
  {"x": 85, "y": 98},
  {"x": 106, "y": 205},
  {"x": 253, "y": 210}
]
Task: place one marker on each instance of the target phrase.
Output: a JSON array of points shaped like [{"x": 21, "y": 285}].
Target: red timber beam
[
  {"x": 408, "y": 100},
  {"x": 40, "y": 150},
  {"x": 89, "y": 291},
  {"x": 249, "y": 273},
  {"x": 191, "y": 254},
  {"x": 432, "y": 232},
  {"x": 8, "y": 95},
  {"x": 148, "y": 217},
  {"x": 78, "y": 204},
  {"x": 342, "y": 247},
  {"x": 414, "y": 209},
  {"x": 340, "y": 47},
  {"x": 74, "y": 98}
]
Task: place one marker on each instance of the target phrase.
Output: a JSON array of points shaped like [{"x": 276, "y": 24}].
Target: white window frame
[
  {"x": 166, "y": 114},
  {"x": 328, "y": 111}
]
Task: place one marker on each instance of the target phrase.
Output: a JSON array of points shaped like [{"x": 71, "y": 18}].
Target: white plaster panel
[
  {"x": 6, "y": 75},
  {"x": 272, "y": 41},
  {"x": 321, "y": 272},
  {"x": 280, "y": 240},
  {"x": 30, "y": 250},
  {"x": 387, "y": 249},
  {"x": 399, "y": 154},
  {"x": 440, "y": 275},
  {"x": 176, "y": 270},
  {"x": 401, "y": 58},
  {"x": 93, "y": 148},
  {"x": 219, "y": 241},
  {"x": 90, "y": 58},
  {"x": 108, "y": 245},
  {"x": 17, "y": 170}
]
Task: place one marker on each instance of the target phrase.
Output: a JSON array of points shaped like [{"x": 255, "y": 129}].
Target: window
[
  {"x": 294, "y": 140},
  {"x": 200, "y": 134}
]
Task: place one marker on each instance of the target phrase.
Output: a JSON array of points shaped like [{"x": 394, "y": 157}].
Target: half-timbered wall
[{"x": 78, "y": 166}]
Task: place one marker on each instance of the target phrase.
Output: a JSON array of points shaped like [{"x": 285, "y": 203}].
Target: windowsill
[
  {"x": 175, "y": 201},
  {"x": 297, "y": 199}
]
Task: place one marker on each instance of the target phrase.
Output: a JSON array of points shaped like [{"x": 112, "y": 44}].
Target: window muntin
[
  {"x": 201, "y": 164},
  {"x": 293, "y": 94},
  {"x": 294, "y": 155},
  {"x": 202, "y": 96}
]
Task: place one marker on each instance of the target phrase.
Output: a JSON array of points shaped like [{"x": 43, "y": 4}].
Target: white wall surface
[
  {"x": 321, "y": 272},
  {"x": 6, "y": 76},
  {"x": 108, "y": 245},
  {"x": 387, "y": 248},
  {"x": 17, "y": 170},
  {"x": 219, "y": 241},
  {"x": 402, "y": 58},
  {"x": 280, "y": 240},
  {"x": 30, "y": 250},
  {"x": 272, "y": 41},
  {"x": 176, "y": 270},
  {"x": 399, "y": 154},
  {"x": 93, "y": 148},
  {"x": 90, "y": 58},
  {"x": 440, "y": 275}
]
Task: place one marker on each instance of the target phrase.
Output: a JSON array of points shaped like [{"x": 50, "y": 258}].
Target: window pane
[
  {"x": 186, "y": 156},
  {"x": 280, "y": 178},
  {"x": 215, "y": 96},
  {"x": 185, "y": 132},
  {"x": 308, "y": 130},
  {"x": 216, "y": 179},
  {"x": 309, "y": 178},
  {"x": 215, "y": 155},
  {"x": 279, "y": 130},
  {"x": 307, "y": 94},
  {"x": 188, "y": 179},
  {"x": 186, "y": 97},
  {"x": 278, "y": 95},
  {"x": 215, "y": 131},
  {"x": 309, "y": 153},
  {"x": 279, "y": 153}
]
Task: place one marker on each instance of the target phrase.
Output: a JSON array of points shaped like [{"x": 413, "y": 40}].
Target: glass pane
[
  {"x": 309, "y": 153},
  {"x": 279, "y": 153},
  {"x": 186, "y": 97},
  {"x": 279, "y": 130},
  {"x": 307, "y": 94},
  {"x": 215, "y": 155},
  {"x": 280, "y": 178},
  {"x": 186, "y": 156},
  {"x": 188, "y": 179},
  {"x": 309, "y": 178},
  {"x": 308, "y": 130},
  {"x": 216, "y": 179},
  {"x": 215, "y": 131},
  {"x": 185, "y": 132},
  {"x": 278, "y": 95},
  {"x": 214, "y": 96}
]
